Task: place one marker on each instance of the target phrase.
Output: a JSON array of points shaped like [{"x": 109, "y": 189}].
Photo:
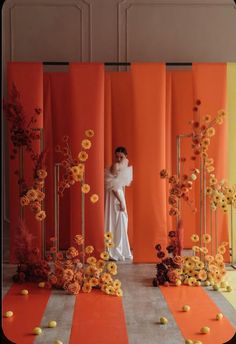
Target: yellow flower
[
  {"x": 205, "y": 142},
  {"x": 206, "y": 238},
  {"x": 94, "y": 198},
  {"x": 219, "y": 120},
  {"x": 83, "y": 156},
  {"x": 195, "y": 259},
  {"x": 75, "y": 169},
  {"x": 195, "y": 238},
  {"x": 110, "y": 290},
  {"x": 24, "y": 200},
  {"x": 86, "y": 144},
  {"x": 40, "y": 195},
  {"x": 221, "y": 112},
  {"x": 212, "y": 268},
  {"x": 41, "y": 215},
  {"x": 85, "y": 188},
  {"x": 208, "y": 190},
  {"x": 209, "y": 258},
  {"x": 112, "y": 268},
  {"x": 207, "y": 118},
  {"x": 189, "y": 264},
  {"x": 213, "y": 181},
  {"x": 192, "y": 281},
  {"x": 221, "y": 265},
  {"x": 202, "y": 275},
  {"x": 204, "y": 250},
  {"x": 224, "y": 243},
  {"x": 31, "y": 194},
  {"x": 87, "y": 287},
  {"x": 219, "y": 258},
  {"x": 196, "y": 248},
  {"x": 199, "y": 265},
  {"x": 119, "y": 292},
  {"x": 89, "y": 249},
  {"x": 221, "y": 249},
  {"x": 89, "y": 133},
  {"x": 104, "y": 255},
  {"x": 108, "y": 235},
  {"x": 91, "y": 260},
  {"x": 210, "y": 169},
  {"x": 117, "y": 284},
  {"x": 110, "y": 244},
  {"x": 210, "y": 132}
]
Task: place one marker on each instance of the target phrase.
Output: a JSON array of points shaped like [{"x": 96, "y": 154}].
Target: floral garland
[{"x": 75, "y": 167}]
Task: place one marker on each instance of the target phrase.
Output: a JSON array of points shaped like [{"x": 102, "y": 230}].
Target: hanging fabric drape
[
  {"x": 210, "y": 87},
  {"x": 119, "y": 127},
  {"x": 150, "y": 219},
  {"x": 86, "y": 82},
  {"x": 56, "y": 125},
  {"x": 28, "y": 79}
]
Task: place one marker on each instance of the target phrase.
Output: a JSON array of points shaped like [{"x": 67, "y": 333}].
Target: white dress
[{"x": 116, "y": 221}]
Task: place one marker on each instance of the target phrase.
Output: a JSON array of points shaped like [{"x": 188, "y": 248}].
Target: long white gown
[{"x": 116, "y": 221}]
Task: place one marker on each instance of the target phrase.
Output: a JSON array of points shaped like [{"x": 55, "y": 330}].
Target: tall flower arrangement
[{"x": 22, "y": 135}]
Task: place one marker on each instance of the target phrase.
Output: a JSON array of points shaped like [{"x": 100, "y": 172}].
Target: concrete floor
[{"x": 143, "y": 306}]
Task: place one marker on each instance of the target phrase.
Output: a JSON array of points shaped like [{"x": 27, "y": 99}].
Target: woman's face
[{"x": 119, "y": 157}]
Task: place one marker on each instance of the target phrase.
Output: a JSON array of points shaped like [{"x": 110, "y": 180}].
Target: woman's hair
[{"x": 121, "y": 150}]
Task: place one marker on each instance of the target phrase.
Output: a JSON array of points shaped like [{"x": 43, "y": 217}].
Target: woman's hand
[{"x": 122, "y": 208}]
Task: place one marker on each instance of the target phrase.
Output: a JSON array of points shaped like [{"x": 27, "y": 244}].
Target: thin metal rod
[
  {"x": 204, "y": 198},
  {"x": 211, "y": 231},
  {"x": 63, "y": 63},
  {"x": 21, "y": 175},
  {"x": 83, "y": 220},
  {"x": 201, "y": 199},
  {"x": 56, "y": 204},
  {"x": 216, "y": 231},
  {"x": 232, "y": 235},
  {"x": 178, "y": 174}
]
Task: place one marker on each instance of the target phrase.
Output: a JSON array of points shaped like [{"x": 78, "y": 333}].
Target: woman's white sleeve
[{"x": 124, "y": 178}]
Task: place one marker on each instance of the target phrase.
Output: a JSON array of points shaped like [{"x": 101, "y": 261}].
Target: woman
[{"x": 117, "y": 177}]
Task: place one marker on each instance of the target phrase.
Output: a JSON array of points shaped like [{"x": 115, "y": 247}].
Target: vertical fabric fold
[
  {"x": 150, "y": 220},
  {"x": 86, "y": 84},
  {"x": 210, "y": 86},
  {"x": 231, "y": 112},
  {"x": 28, "y": 79}
]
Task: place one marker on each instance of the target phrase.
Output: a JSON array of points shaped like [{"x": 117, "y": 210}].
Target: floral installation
[
  {"x": 221, "y": 195},
  {"x": 179, "y": 188},
  {"x": 23, "y": 134},
  {"x": 190, "y": 270},
  {"x": 74, "y": 168},
  {"x": 31, "y": 268},
  {"x": 34, "y": 195},
  {"x": 67, "y": 271}
]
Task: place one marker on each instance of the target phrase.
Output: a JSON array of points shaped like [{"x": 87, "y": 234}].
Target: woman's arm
[{"x": 116, "y": 194}]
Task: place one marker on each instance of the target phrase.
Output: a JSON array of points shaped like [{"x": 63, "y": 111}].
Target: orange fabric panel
[
  {"x": 122, "y": 127},
  {"x": 86, "y": 84},
  {"x": 149, "y": 157},
  {"x": 202, "y": 313},
  {"x": 56, "y": 125},
  {"x": 182, "y": 114},
  {"x": 27, "y": 310},
  {"x": 28, "y": 79},
  {"x": 210, "y": 87},
  {"x": 107, "y": 122},
  {"x": 98, "y": 318}
]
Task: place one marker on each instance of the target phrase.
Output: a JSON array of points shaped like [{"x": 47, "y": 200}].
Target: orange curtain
[
  {"x": 149, "y": 157},
  {"x": 118, "y": 126},
  {"x": 28, "y": 79},
  {"x": 182, "y": 114},
  {"x": 210, "y": 87},
  {"x": 56, "y": 125},
  {"x": 86, "y": 87}
]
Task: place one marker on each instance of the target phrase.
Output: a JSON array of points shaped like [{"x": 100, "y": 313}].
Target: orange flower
[
  {"x": 85, "y": 188},
  {"x": 106, "y": 277},
  {"x": 209, "y": 258},
  {"x": 196, "y": 248},
  {"x": 93, "y": 281},
  {"x": 40, "y": 216},
  {"x": 89, "y": 133},
  {"x": 100, "y": 264},
  {"x": 219, "y": 258},
  {"x": 83, "y": 156},
  {"x": 42, "y": 174},
  {"x": 59, "y": 255},
  {"x": 86, "y": 144},
  {"x": 91, "y": 260},
  {"x": 94, "y": 198},
  {"x": 72, "y": 252},
  {"x": 73, "y": 288},
  {"x": 202, "y": 275},
  {"x": 87, "y": 287},
  {"x": 204, "y": 250},
  {"x": 210, "y": 132},
  {"x": 24, "y": 200},
  {"x": 40, "y": 195},
  {"x": 221, "y": 249},
  {"x": 206, "y": 238},
  {"x": 207, "y": 118},
  {"x": 68, "y": 274},
  {"x": 104, "y": 255},
  {"x": 32, "y": 194},
  {"x": 178, "y": 260},
  {"x": 195, "y": 238},
  {"x": 89, "y": 249},
  {"x": 79, "y": 239}
]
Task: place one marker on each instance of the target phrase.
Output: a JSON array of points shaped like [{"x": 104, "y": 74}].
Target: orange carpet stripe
[
  {"x": 202, "y": 313},
  {"x": 28, "y": 311},
  {"x": 98, "y": 319}
]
